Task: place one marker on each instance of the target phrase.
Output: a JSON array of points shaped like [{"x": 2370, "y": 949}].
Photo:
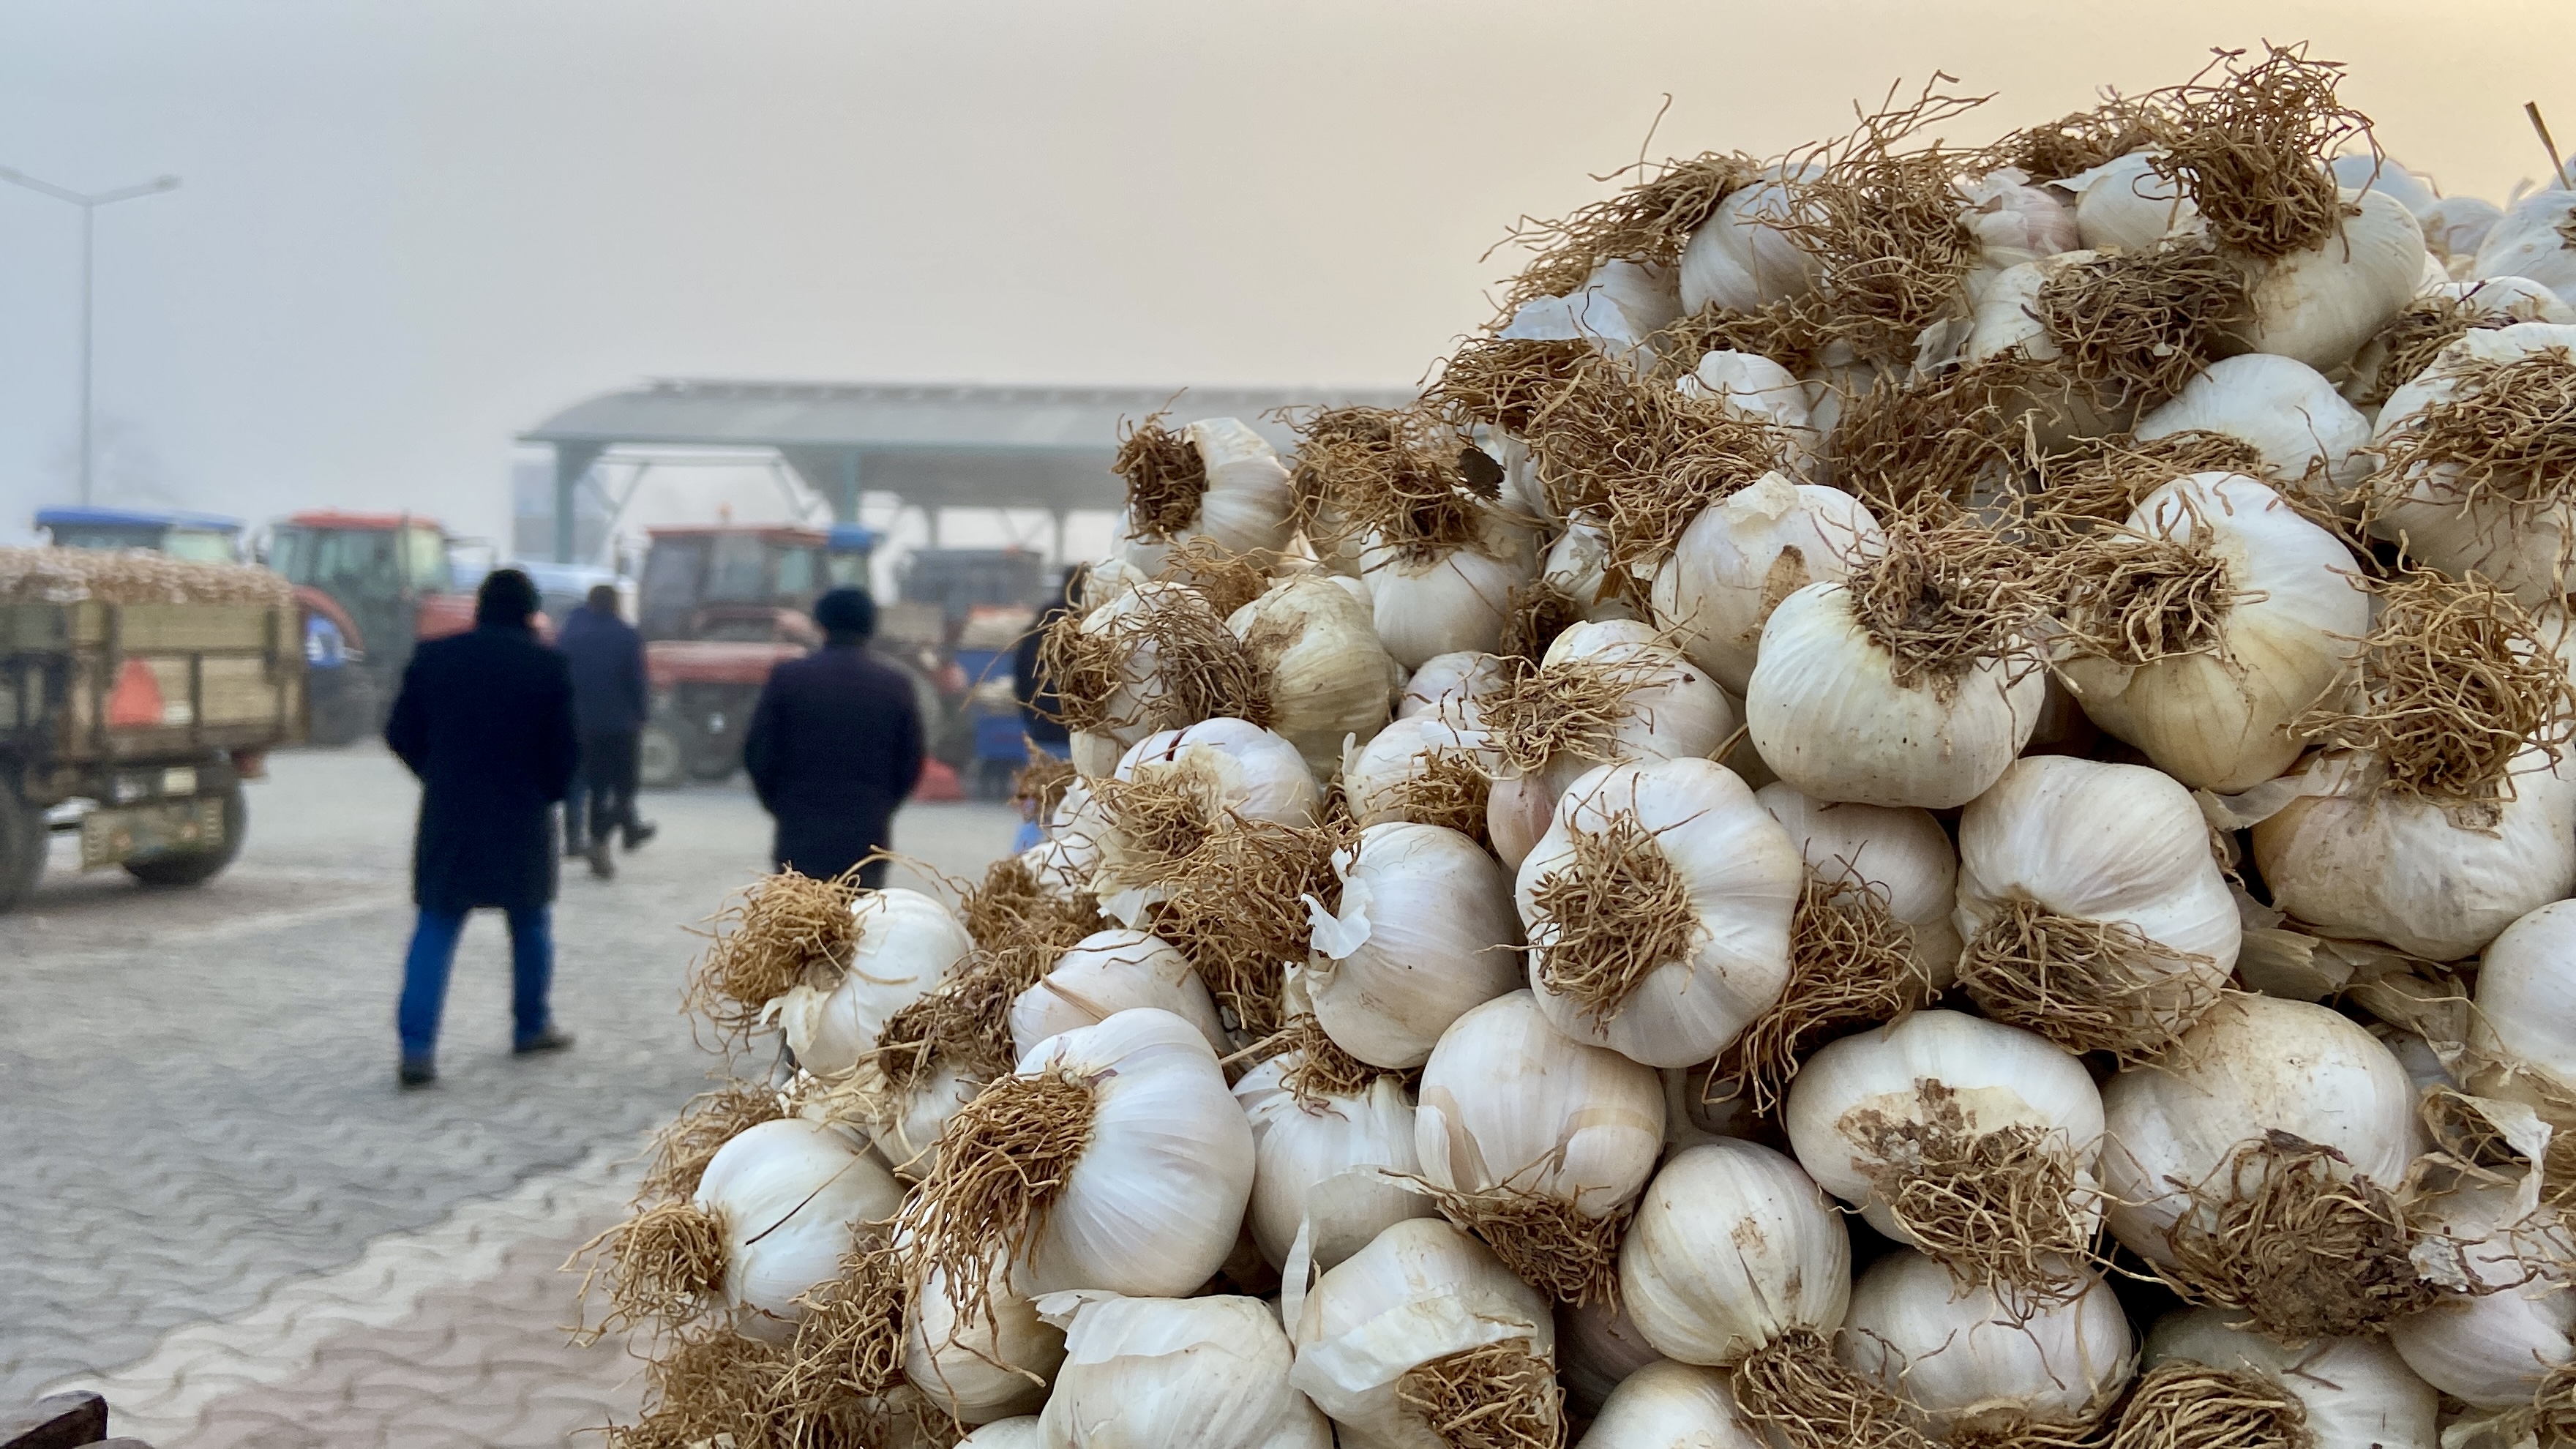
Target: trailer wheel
[
  {"x": 658, "y": 757},
  {"x": 193, "y": 867},
  {"x": 23, "y": 839}
]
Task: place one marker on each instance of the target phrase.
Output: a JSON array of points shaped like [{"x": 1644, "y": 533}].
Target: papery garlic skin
[
  {"x": 1998, "y": 1076},
  {"x": 1733, "y": 1246},
  {"x": 2516, "y": 547},
  {"x": 1154, "y": 1203},
  {"x": 1578, "y": 564},
  {"x": 1420, "y": 1291},
  {"x": 1173, "y": 1373},
  {"x": 1129, "y": 709},
  {"x": 1671, "y": 1406},
  {"x": 789, "y": 1195},
  {"x": 1965, "y": 1358},
  {"x": 1742, "y": 875},
  {"x": 2357, "y": 1392},
  {"x": 1019, "y": 1433},
  {"x": 2283, "y": 409},
  {"x": 2525, "y": 1021},
  {"x": 2321, "y": 303},
  {"x": 2431, "y": 882},
  {"x": 2252, "y": 1066},
  {"x": 1450, "y": 685},
  {"x": 2527, "y": 241},
  {"x": 1597, "y": 1347},
  {"x": 1828, "y": 716},
  {"x": 1617, "y": 309},
  {"x": 1739, "y": 258},
  {"x": 2123, "y": 203},
  {"x": 1244, "y": 768},
  {"x": 907, "y": 1132},
  {"x": 2294, "y": 615},
  {"x": 1902, "y": 856},
  {"x": 1247, "y": 507},
  {"x": 1746, "y": 553},
  {"x": 1423, "y": 931},
  {"x": 1669, "y": 709},
  {"x": 1329, "y": 676},
  {"x": 2112, "y": 843},
  {"x": 979, "y": 1372},
  {"x": 1108, "y": 972},
  {"x": 1375, "y": 775},
  {"x": 906, "y": 944},
  {"x": 2491, "y": 1349},
  {"x": 1447, "y": 601},
  {"x": 1760, "y": 390},
  {"x": 2455, "y": 227},
  {"x": 1507, "y": 1100},
  {"x": 1327, "y": 1165}
]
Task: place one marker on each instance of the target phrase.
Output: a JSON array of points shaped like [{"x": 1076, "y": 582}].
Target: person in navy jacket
[
  {"x": 834, "y": 746},
  {"x": 608, "y": 708}
]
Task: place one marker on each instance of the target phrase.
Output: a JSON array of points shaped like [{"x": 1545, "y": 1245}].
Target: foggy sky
[{"x": 409, "y": 230}]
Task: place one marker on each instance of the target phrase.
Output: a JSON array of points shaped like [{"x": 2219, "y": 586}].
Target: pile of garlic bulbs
[{"x": 1923, "y": 801}]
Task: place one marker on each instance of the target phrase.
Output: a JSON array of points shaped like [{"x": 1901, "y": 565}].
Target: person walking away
[
  {"x": 608, "y": 709},
  {"x": 834, "y": 746},
  {"x": 485, "y": 720},
  {"x": 1040, "y": 705}
]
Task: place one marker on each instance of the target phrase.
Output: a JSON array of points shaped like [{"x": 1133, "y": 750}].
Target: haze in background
[{"x": 409, "y": 231}]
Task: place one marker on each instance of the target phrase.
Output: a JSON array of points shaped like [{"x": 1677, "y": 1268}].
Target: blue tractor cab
[
  {"x": 847, "y": 548},
  {"x": 197, "y": 537}
]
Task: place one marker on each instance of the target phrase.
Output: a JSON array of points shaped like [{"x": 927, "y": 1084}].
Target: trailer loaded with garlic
[{"x": 1924, "y": 800}]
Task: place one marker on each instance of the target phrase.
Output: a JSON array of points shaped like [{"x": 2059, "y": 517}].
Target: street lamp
[{"x": 89, "y": 203}]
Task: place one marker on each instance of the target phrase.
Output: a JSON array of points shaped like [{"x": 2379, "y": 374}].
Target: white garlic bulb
[
  {"x": 1732, "y": 1248},
  {"x": 1328, "y": 675},
  {"x": 2491, "y": 1349},
  {"x": 2530, "y": 240},
  {"x": 2123, "y": 203},
  {"x": 1598, "y": 1347},
  {"x": 906, "y": 944},
  {"x": 2525, "y": 1022},
  {"x": 2321, "y": 303},
  {"x": 2015, "y": 221},
  {"x": 2283, "y": 409},
  {"x": 1677, "y": 856},
  {"x": 2121, "y": 848},
  {"x": 1450, "y": 685},
  {"x": 905, "y": 1130},
  {"x": 1419, "y": 1293},
  {"x": 1902, "y": 856},
  {"x": 1667, "y": 708},
  {"x": 2516, "y": 545},
  {"x": 1245, "y": 769},
  {"x": 1742, "y": 556},
  {"x": 1383, "y": 778},
  {"x": 1426, "y": 604},
  {"x": 1130, "y": 618},
  {"x": 1246, "y": 507},
  {"x": 1019, "y": 1433},
  {"x": 1424, "y": 930},
  {"x": 1967, "y": 1359},
  {"x": 1671, "y": 1406},
  {"x": 1173, "y": 1373},
  {"x": 2430, "y": 881},
  {"x": 1327, "y": 1163},
  {"x": 789, "y": 1196},
  {"x": 2455, "y": 227},
  {"x": 2354, "y": 1393},
  {"x": 1578, "y": 565},
  {"x": 1739, "y": 259},
  {"x": 1108, "y": 972},
  {"x": 1760, "y": 390},
  {"x": 1912, "y": 1097},
  {"x": 994, "y": 1367},
  {"x": 2290, "y": 614}
]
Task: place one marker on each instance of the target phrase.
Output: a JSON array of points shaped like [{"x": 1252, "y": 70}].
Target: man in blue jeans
[{"x": 485, "y": 720}]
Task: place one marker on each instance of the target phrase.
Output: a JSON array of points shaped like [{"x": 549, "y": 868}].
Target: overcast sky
[{"x": 410, "y": 228}]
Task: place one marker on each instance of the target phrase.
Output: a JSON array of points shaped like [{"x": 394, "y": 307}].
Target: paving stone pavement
[{"x": 198, "y": 1115}]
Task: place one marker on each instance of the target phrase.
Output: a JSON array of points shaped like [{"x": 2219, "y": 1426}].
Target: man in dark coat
[
  {"x": 607, "y": 659},
  {"x": 485, "y": 720},
  {"x": 834, "y": 746}
]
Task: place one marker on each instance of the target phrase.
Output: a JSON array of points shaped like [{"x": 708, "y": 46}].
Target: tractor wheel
[
  {"x": 658, "y": 757},
  {"x": 23, "y": 839},
  {"x": 195, "y": 867}
]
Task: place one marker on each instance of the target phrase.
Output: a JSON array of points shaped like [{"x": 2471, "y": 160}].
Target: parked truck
[{"x": 134, "y": 724}]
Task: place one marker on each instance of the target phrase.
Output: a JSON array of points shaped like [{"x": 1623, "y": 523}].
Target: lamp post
[{"x": 89, "y": 203}]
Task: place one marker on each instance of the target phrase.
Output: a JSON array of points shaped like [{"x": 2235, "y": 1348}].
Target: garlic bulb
[
  {"x": 2353, "y": 1393},
  {"x": 2283, "y": 409},
  {"x": 979, "y": 1371},
  {"x": 1966, "y": 1138},
  {"x": 2530, "y": 240},
  {"x": 1597, "y": 1348},
  {"x": 2524, "y": 1027},
  {"x": 2355, "y": 170},
  {"x": 2124, "y": 203},
  {"x": 2431, "y": 882},
  {"x": 2516, "y": 541},
  {"x": 2320, "y": 304},
  {"x": 2014, "y": 221},
  {"x": 1449, "y": 684},
  {"x": 1577, "y": 565},
  {"x": 906, "y": 944},
  {"x": 1173, "y": 1373},
  {"x": 2092, "y": 909},
  {"x": 1105, "y": 579},
  {"x": 2227, "y": 1114},
  {"x": 788, "y": 1196},
  {"x": 1967, "y": 1359},
  {"x": 1755, "y": 387},
  {"x": 1733, "y": 1249},
  {"x": 1327, "y": 1163},
  {"x": 1442, "y": 601},
  {"x": 1829, "y": 716},
  {"x": 2287, "y": 616},
  {"x": 1328, "y": 676},
  {"x": 1745, "y": 554},
  {"x": 1246, "y": 505},
  {"x": 905, "y": 1131},
  {"x": 1424, "y": 768},
  {"x": 1421, "y": 1297},
  {"x": 1657, "y": 909},
  {"x": 1740, "y": 260},
  {"x": 1608, "y": 690},
  {"x": 1131, "y": 626},
  {"x": 1535, "y": 1140},
  {"x": 2008, "y": 321},
  {"x": 2492, "y": 1349},
  {"x": 1617, "y": 309},
  {"x": 1671, "y": 1406},
  {"x": 1903, "y": 857},
  {"x": 1423, "y": 931},
  {"x": 1019, "y": 1433},
  {"x": 2455, "y": 227},
  {"x": 1108, "y": 972},
  {"x": 1185, "y": 782}
]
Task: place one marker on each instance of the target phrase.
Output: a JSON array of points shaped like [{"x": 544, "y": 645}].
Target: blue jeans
[{"x": 433, "y": 952}]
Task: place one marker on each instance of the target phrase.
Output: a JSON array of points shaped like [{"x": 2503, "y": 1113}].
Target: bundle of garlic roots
[{"x": 1923, "y": 801}]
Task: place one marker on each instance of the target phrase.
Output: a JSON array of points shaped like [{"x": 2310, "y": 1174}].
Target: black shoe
[
  {"x": 643, "y": 830},
  {"x": 552, "y": 1039},
  {"x": 603, "y": 866},
  {"x": 416, "y": 1072}
]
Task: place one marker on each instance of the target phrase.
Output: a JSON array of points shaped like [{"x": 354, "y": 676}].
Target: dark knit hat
[
  {"x": 507, "y": 597},
  {"x": 846, "y": 611}
]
